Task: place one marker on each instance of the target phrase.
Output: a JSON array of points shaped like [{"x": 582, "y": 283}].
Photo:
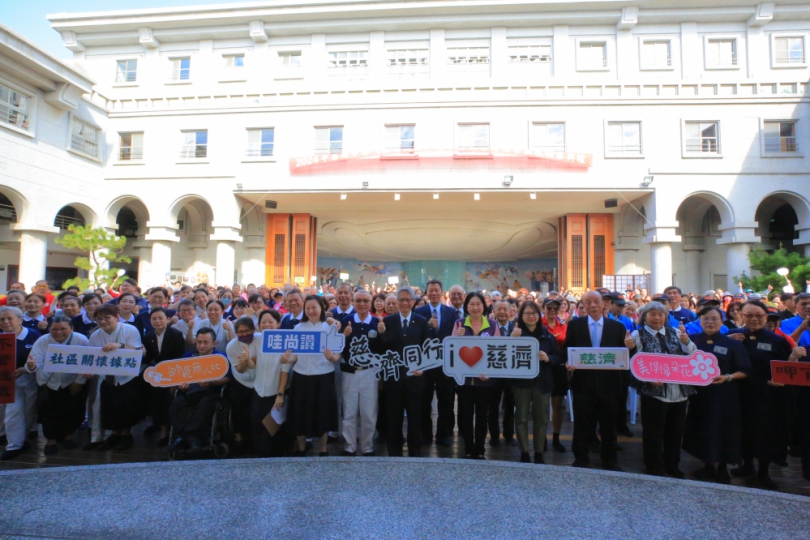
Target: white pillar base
[
  {"x": 226, "y": 264},
  {"x": 661, "y": 266},
  {"x": 33, "y": 257},
  {"x": 161, "y": 262},
  {"x": 737, "y": 263}
]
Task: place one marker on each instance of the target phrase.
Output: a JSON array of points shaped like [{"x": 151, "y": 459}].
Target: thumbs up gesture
[
  {"x": 381, "y": 328},
  {"x": 460, "y": 331},
  {"x": 516, "y": 332},
  {"x": 628, "y": 341},
  {"x": 434, "y": 321},
  {"x": 683, "y": 337},
  {"x": 348, "y": 330}
]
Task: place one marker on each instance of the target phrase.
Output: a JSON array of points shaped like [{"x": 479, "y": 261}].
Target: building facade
[{"x": 491, "y": 143}]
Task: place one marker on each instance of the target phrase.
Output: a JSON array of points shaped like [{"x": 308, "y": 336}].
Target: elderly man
[
  {"x": 596, "y": 392},
  {"x": 502, "y": 387},
  {"x": 457, "y": 296},
  {"x": 344, "y": 298}
]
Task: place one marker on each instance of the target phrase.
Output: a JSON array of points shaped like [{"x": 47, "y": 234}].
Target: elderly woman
[{"x": 663, "y": 404}]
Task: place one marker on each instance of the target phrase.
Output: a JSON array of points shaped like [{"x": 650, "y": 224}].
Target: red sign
[
  {"x": 8, "y": 363},
  {"x": 196, "y": 369},
  {"x": 792, "y": 373},
  {"x": 697, "y": 369}
]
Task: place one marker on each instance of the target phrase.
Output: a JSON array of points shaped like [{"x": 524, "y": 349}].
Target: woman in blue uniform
[
  {"x": 763, "y": 404},
  {"x": 712, "y": 430}
]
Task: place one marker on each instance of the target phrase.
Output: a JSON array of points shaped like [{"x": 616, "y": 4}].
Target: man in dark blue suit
[
  {"x": 403, "y": 393},
  {"x": 441, "y": 319},
  {"x": 294, "y": 304},
  {"x": 502, "y": 387},
  {"x": 158, "y": 297}
]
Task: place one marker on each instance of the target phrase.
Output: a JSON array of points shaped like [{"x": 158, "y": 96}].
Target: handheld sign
[
  {"x": 791, "y": 373},
  {"x": 8, "y": 363},
  {"x": 196, "y": 369},
  {"x": 93, "y": 360},
  {"x": 302, "y": 341},
  {"x": 697, "y": 369},
  {"x": 599, "y": 357},
  {"x": 501, "y": 357}
]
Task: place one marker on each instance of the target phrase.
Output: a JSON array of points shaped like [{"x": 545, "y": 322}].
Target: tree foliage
[
  {"x": 767, "y": 263},
  {"x": 103, "y": 251}
]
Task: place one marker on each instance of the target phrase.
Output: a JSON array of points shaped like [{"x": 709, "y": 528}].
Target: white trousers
[
  {"x": 359, "y": 396},
  {"x": 22, "y": 414}
]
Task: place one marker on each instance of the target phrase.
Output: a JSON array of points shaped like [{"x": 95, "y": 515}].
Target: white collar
[
  {"x": 402, "y": 319},
  {"x": 85, "y": 319},
  {"x": 599, "y": 322},
  {"x": 23, "y": 334},
  {"x": 662, "y": 331},
  {"x": 341, "y": 312},
  {"x": 27, "y": 318},
  {"x": 300, "y": 316},
  {"x": 131, "y": 318},
  {"x": 437, "y": 308},
  {"x": 367, "y": 320}
]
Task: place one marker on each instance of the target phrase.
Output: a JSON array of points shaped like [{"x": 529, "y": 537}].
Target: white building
[{"x": 474, "y": 141}]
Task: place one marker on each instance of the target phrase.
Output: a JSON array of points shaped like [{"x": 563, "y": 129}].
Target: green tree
[
  {"x": 103, "y": 251},
  {"x": 767, "y": 263}
]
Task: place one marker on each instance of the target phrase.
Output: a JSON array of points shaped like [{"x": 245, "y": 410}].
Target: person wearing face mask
[{"x": 226, "y": 297}]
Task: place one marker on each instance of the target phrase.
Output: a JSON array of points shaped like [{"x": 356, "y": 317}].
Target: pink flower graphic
[{"x": 702, "y": 367}]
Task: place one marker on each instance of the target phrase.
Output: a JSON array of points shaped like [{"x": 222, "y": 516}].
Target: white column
[
  {"x": 437, "y": 64},
  {"x": 736, "y": 264},
  {"x": 377, "y": 55},
  {"x": 661, "y": 263},
  {"x": 33, "y": 257},
  {"x": 225, "y": 263},
  {"x": 563, "y": 57},
  {"x": 161, "y": 261},
  {"x": 498, "y": 52},
  {"x": 691, "y": 281},
  {"x": 144, "y": 263}
]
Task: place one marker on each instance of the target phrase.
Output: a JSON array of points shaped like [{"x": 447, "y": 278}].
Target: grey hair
[
  {"x": 17, "y": 312},
  {"x": 60, "y": 319},
  {"x": 650, "y": 306},
  {"x": 406, "y": 289}
]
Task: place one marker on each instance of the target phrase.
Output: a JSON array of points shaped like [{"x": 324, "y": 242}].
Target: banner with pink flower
[{"x": 697, "y": 369}]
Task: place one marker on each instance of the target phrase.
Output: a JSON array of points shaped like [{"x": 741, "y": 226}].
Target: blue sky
[{"x": 27, "y": 17}]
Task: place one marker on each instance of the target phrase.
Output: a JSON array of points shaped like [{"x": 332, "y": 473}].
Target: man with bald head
[
  {"x": 457, "y": 295},
  {"x": 596, "y": 392}
]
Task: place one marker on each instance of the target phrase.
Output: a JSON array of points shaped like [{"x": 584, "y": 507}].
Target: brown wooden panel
[
  {"x": 575, "y": 246},
  {"x": 277, "y": 252},
  {"x": 301, "y": 249},
  {"x": 600, "y": 248}
]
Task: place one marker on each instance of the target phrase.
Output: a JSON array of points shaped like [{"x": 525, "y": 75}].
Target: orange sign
[{"x": 196, "y": 369}]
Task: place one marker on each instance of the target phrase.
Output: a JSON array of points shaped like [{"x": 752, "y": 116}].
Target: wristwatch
[
  {"x": 730, "y": 377},
  {"x": 280, "y": 394}
]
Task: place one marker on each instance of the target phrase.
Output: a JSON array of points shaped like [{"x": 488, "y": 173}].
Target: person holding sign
[
  {"x": 474, "y": 394},
  {"x": 62, "y": 408},
  {"x": 313, "y": 403},
  {"x": 534, "y": 393},
  {"x": 21, "y": 415},
  {"x": 596, "y": 392},
  {"x": 663, "y": 404},
  {"x": 712, "y": 428}
]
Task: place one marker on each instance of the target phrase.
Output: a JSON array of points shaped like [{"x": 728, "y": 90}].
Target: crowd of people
[{"x": 742, "y": 420}]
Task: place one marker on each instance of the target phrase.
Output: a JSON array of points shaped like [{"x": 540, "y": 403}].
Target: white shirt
[
  {"x": 130, "y": 320},
  {"x": 39, "y": 352},
  {"x": 673, "y": 393},
  {"x": 313, "y": 364},
  {"x": 264, "y": 378},
  {"x": 125, "y": 334},
  {"x": 599, "y": 326},
  {"x": 438, "y": 311},
  {"x": 222, "y": 334},
  {"x": 160, "y": 339},
  {"x": 409, "y": 318}
]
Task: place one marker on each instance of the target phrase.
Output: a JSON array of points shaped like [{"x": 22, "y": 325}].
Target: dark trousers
[
  {"x": 60, "y": 412},
  {"x": 803, "y": 414},
  {"x": 473, "y": 401},
  {"x": 591, "y": 407},
  {"x": 266, "y": 445},
  {"x": 445, "y": 390},
  {"x": 662, "y": 425},
  {"x": 382, "y": 413},
  {"x": 502, "y": 389},
  {"x": 404, "y": 395},
  {"x": 158, "y": 401},
  {"x": 192, "y": 414},
  {"x": 621, "y": 408}
]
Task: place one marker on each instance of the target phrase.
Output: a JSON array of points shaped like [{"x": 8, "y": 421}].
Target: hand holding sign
[
  {"x": 698, "y": 369},
  {"x": 501, "y": 357},
  {"x": 183, "y": 371},
  {"x": 348, "y": 330},
  {"x": 381, "y": 328},
  {"x": 683, "y": 336},
  {"x": 628, "y": 341}
]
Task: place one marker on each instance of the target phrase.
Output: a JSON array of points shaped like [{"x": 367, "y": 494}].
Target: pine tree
[
  {"x": 767, "y": 263},
  {"x": 103, "y": 249}
]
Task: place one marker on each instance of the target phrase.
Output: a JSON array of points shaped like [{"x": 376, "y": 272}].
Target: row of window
[
  {"x": 622, "y": 139},
  {"x": 592, "y": 54}
]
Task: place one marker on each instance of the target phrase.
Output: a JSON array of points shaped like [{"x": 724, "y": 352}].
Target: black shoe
[
  {"x": 323, "y": 454},
  {"x": 538, "y": 458},
  {"x": 612, "y": 467},
  {"x": 195, "y": 444},
  {"x": 558, "y": 447},
  {"x": 161, "y": 442},
  {"x": 426, "y": 442},
  {"x": 330, "y": 439},
  {"x": 368, "y": 454},
  {"x": 447, "y": 442},
  {"x": 524, "y": 457},
  {"x": 511, "y": 442},
  {"x": 109, "y": 444},
  {"x": 91, "y": 446},
  {"x": 706, "y": 474},
  {"x": 379, "y": 439},
  {"x": 69, "y": 444},
  {"x": 617, "y": 447},
  {"x": 722, "y": 476},
  {"x": 346, "y": 453},
  {"x": 177, "y": 445},
  {"x": 50, "y": 449},
  {"x": 3, "y": 440},
  {"x": 493, "y": 442},
  {"x": 595, "y": 447},
  {"x": 743, "y": 472},
  {"x": 150, "y": 430},
  {"x": 766, "y": 481},
  {"x": 656, "y": 471},
  {"x": 11, "y": 454},
  {"x": 299, "y": 453},
  {"x": 580, "y": 464},
  {"x": 676, "y": 473},
  {"x": 33, "y": 434},
  {"x": 469, "y": 456},
  {"x": 125, "y": 443},
  {"x": 624, "y": 431},
  {"x": 782, "y": 463},
  {"x": 308, "y": 445}
]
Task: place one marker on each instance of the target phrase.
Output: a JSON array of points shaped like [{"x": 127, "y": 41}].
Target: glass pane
[
  {"x": 693, "y": 130},
  {"x": 772, "y": 129},
  {"x": 202, "y": 137},
  {"x": 709, "y": 130},
  {"x": 321, "y": 134},
  {"x": 787, "y": 129},
  {"x": 336, "y": 134},
  {"x": 126, "y": 139},
  {"x": 631, "y": 134},
  {"x": 407, "y": 133},
  {"x": 556, "y": 135},
  {"x": 615, "y": 134},
  {"x": 189, "y": 138},
  {"x": 268, "y": 135}
]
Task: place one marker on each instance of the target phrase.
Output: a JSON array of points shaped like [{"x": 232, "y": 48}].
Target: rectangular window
[
  {"x": 702, "y": 138},
  {"x": 130, "y": 146},
  {"x": 399, "y": 139},
  {"x": 195, "y": 144},
  {"x": 348, "y": 59},
  {"x": 780, "y": 137},
  {"x": 592, "y": 55},
  {"x": 473, "y": 137},
  {"x": 127, "y": 71},
  {"x": 84, "y": 139},
  {"x": 467, "y": 55},
  {"x": 624, "y": 138},
  {"x": 260, "y": 142},
  {"x": 329, "y": 140},
  {"x": 290, "y": 59},
  {"x": 548, "y": 136},
  {"x": 530, "y": 54},
  {"x": 13, "y": 107},
  {"x": 234, "y": 61},
  {"x": 721, "y": 53},
  {"x": 577, "y": 261},
  {"x": 278, "y": 258},
  {"x": 401, "y": 58},
  {"x": 181, "y": 69},
  {"x": 656, "y": 54},
  {"x": 599, "y": 263},
  {"x": 789, "y": 50}
]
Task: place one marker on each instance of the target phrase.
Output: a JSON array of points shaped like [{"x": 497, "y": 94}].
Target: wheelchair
[{"x": 220, "y": 437}]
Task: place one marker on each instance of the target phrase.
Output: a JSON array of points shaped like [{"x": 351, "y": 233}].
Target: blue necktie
[
  {"x": 405, "y": 326},
  {"x": 594, "y": 335}
]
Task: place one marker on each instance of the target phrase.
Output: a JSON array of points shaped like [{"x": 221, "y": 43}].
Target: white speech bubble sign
[{"x": 494, "y": 357}]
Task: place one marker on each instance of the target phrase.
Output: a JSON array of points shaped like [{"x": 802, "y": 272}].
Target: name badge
[
  {"x": 723, "y": 350},
  {"x": 764, "y": 346},
  {"x": 372, "y": 334}
]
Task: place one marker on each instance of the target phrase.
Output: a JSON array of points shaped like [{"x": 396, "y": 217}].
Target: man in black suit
[
  {"x": 596, "y": 392},
  {"x": 403, "y": 393},
  {"x": 502, "y": 387},
  {"x": 162, "y": 343},
  {"x": 158, "y": 297},
  {"x": 441, "y": 319},
  {"x": 294, "y": 303}
]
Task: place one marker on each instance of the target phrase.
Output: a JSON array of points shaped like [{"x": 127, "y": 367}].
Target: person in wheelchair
[{"x": 193, "y": 407}]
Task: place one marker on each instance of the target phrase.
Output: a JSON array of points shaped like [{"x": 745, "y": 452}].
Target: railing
[
  {"x": 63, "y": 221},
  {"x": 723, "y": 61},
  {"x": 702, "y": 145},
  {"x": 623, "y": 282},
  {"x": 181, "y": 74},
  {"x": 126, "y": 76},
  {"x": 780, "y": 144},
  {"x": 630, "y": 149},
  {"x": 84, "y": 146},
  {"x": 8, "y": 212},
  {"x": 790, "y": 58},
  {"x": 127, "y": 153},
  {"x": 260, "y": 150},
  {"x": 194, "y": 151}
]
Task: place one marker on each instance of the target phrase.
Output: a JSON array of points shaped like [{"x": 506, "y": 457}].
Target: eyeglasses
[
  {"x": 362, "y": 301},
  {"x": 528, "y": 313},
  {"x": 753, "y": 316}
]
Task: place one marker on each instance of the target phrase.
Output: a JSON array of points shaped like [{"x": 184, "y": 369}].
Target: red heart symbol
[{"x": 470, "y": 355}]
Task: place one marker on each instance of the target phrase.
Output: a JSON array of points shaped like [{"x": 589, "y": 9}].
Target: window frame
[
  {"x": 203, "y": 159},
  {"x": 386, "y": 150},
  {"x": 248, "y": 158},
  {"x": 607, "y": 63},
  {"x": 99, "y": 138},
  {"x": 329, "y": 139},
  {"x": 707, "y": 38},
  {"x": 642, "y": 40},
  {"x": 541, "y": 62},
  {"x": 116, "y": 82},
  {"x": 120, "y": 147},
  {"x": 786, "y": 35},
  {"x": 702, "y": 155},
  {"x": 474, "y": 152},
  {"x": 171, "y": 59},
  {"x": 765, "y": 154},
  {"x": 611, "y": 154},
  {"x": 32, "y": 110},
  {"x": 332, "y": 65},
  {"x": 532, "y": 145},
  {"x": 468, "y": 48}
]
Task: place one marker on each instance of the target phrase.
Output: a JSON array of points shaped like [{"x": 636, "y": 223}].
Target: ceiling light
[
  {"x": 507, "y": 180},
  {"x": 342, "y": 196},
  {"x": 533, "y": 196},
  {"x": 477, "y": 196},
  {"x": 435, "y": 196},
  {"x": 396, "y": 196}
]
